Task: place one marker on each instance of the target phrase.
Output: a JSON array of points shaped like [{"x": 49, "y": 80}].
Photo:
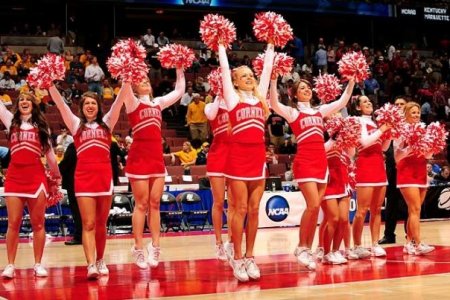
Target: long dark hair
[
  {"x": 37, "y": 120},
  {"x": 354, "y": 104},
  {"x": 295, "y": 89},
  {"x": 99, "y": 118}
]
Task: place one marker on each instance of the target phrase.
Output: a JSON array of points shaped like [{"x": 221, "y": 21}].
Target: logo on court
[
  {"x": 444, "y": 199},
  {"x": 277, "y": 208}
]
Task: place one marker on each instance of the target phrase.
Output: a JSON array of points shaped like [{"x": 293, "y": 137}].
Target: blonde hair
[
  {"x": 408, "y": 106},
  {"x": 255, "y": 91},
  {"x": 135, "y": 85}
]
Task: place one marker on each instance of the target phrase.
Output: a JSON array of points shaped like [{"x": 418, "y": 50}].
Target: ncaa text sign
[{"x": 281, "y": 209}]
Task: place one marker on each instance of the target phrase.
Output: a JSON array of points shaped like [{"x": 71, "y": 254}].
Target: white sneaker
[
  {"x": 92, "y": 272},
  {"x": 422, "y": 249},
  {"x": 409, "y": 248},
  {"x": 220, "y": 252},
  {"x": 40, "y": 271},
  {"x": 153, "y": 255},
  {"x": 305, "y": 257},
  {"x": 139, "y": 258},
  {"x": 340, "y": 258},
  {"x": 330, "y": 259},
  {"x": 350, "y": 254},
  {"x": 101, "y": 267},
  {"x": 361, "y": 252},
  {"x": 320, "y": 252},
  {"x": 239, "y": 271},
  {"x": 252, "y": 269},
  {"x": 378, "y": 251},
  {"x": 9, "y": 272},
  {"x": 229, "y": 250}
]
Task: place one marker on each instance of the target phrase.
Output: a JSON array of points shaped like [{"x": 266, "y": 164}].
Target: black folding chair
[
  {"x": 171, "y": 214},
  {"x": 194, "y": 213}
]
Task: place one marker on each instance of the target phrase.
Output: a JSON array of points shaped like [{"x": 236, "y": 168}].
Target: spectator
[
  {"x": 187, "y": 156},
  {"x": 297, "y": 51},
  {"x": 184, "y": 102},
  {"x": 94, "y": 75},
  {"x": 55, "y": 45},
  {"x": 7, "y": 83},
  {"x": 149, "y": 39},
  {"x": 165, "y": 146},
  {"x": 13, "y": 56},
  {"x": 9, "y": 67},
  {"x": 212, "y": 62},
  {"x": 287, "y": 147},
  {"x": 6, "y": 99},
  {"x": 196, "y": 119},
  {"x": 444, "y": 176},
  {"x": 271, "y": 157},
  {"x": 425, "y": 110},
  {"x": 162, "y": 40},
  {"x": 64, "y": 138},
  {"x": 202, "y": 156},
  {"x": 108, "y": 91},
  {"x": 59, "y": 152},
  {"x": 275, "y": 124},
  {"x": 320, "y": 59}
]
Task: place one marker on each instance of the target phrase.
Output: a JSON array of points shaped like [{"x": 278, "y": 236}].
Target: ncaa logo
[
  {"x": 444, "y": 199},
  {"x": 197, "y": 2},
  {"x": 277, "y": 208}
]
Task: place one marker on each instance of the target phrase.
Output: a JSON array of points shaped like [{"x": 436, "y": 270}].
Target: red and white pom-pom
[
  {"x": 334, "y": 125},
  {"x": 415, "y": 138},
  {"x": 353, "y": 65},
  {"x": 327, "y": 87},
  {"x": 437, "y": 135},
  {"x": 127, "y": 61},
  {"x": 351, "y": 168},
  {"x": 54, "y": 193},
  {"x": 215, "y": 82},
  {"x": 391, "y": 115},
  {"x": 282, "y": 65},
  {"x": 49, "y": 68},
  {"x": 271, "y": 27},
  {"x": 215, "y": 29},
  {"x": 176, "y": 56},
  {"x": 350, "y": 134}
]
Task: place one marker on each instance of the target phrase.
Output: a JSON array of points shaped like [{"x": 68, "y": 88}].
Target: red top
[
  {"x": 25, "y": 146},
  {"x": 93, "y": 145},
  {"x": 247, "y": 123},
  {"x": 145, "y": 122},
  {"x": 219, "y": 126}
]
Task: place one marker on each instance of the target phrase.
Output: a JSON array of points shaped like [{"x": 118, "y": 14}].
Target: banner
[{"x": 437, "y": 202}]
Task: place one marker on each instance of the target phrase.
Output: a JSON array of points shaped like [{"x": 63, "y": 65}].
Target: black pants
[
  {"x": 393, "y": 211},
  {"x": 76, "y": 215}
]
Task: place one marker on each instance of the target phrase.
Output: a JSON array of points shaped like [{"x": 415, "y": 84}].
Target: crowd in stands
[{"x": 393, "y": 73}]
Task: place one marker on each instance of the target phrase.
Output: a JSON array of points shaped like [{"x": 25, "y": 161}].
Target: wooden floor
[{"x": 190, "y": 271}]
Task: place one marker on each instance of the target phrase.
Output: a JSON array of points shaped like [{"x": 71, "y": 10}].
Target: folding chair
[
  {"x": 194, "y": 213},
  {"x": 120, "y": 220},
  {"x": 3, "y": 216},
  {"x": 171, "y": 215}
]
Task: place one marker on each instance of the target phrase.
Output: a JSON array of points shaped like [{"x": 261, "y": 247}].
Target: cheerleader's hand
[{"x": 385, "y": 127}]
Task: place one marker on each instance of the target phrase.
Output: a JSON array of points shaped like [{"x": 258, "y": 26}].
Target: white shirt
[
  {"x": 93, "y": 73},
  {"x": 149, "y": 39}
]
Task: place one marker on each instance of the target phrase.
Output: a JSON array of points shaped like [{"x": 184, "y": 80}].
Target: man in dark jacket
[{"x": 67, "y": 169}]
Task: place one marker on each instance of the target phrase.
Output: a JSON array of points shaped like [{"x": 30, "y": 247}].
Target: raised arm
[
  {"x": 369, "y": 139},
  {"x": 288, "y": 113},
  {"x": 211, "y": 109},
  {"x": 328, "y": 109},
  {"x": 175, "y": 95},
  {"x": 229, "y": 94},
  {"x": 267, "y": 71},
  {"x": 329, "y": 145},
  {"x": 5, "y": 115},
  {"x": 113, "y": 114},
  {"x": 72, "y": 122}
]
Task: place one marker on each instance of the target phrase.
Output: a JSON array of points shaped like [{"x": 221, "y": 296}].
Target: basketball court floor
[{"x": 189, "y": 270}]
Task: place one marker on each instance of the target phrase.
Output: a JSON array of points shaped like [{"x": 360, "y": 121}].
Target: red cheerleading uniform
[
  {"x": 412, "y": 172},
  {"x": 370, "y": 166},
  {"x": 93, "y": 173},
  {"x": 25, "y": 166},
  {"x": 310, "y": 162},
  {"x": 247, "y": 155},
  {"x": 338, "y": 183},
  {"x": 145, "y": 158},
  {"x": 218, "y": 152}
]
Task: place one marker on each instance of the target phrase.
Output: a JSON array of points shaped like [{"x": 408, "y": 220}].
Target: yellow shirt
[
  {"x": 5, "y": 98},
  {"x": 186, "y": 157},
  {"x": 12, "y": 70},
  {"x": 108, "y": 93},
  {"x": 196, "y": 113}
]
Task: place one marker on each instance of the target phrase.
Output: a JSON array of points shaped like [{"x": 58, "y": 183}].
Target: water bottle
[{"x": 274, "y": 187}]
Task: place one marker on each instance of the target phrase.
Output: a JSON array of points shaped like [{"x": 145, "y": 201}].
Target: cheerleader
[
  {"x": 145, "y": 163},
  {"x": 26, "y": 182},
  {"x": 93, "y": 173},
  {"x": 336, "y": 204},
  {"x": 245, "y": 167},
  {"x": 413, "y": 183},
  {"x": 371, "y": 180},
  {"x": 310, "y": 163},
  {"x": 217, "y": 114}
]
